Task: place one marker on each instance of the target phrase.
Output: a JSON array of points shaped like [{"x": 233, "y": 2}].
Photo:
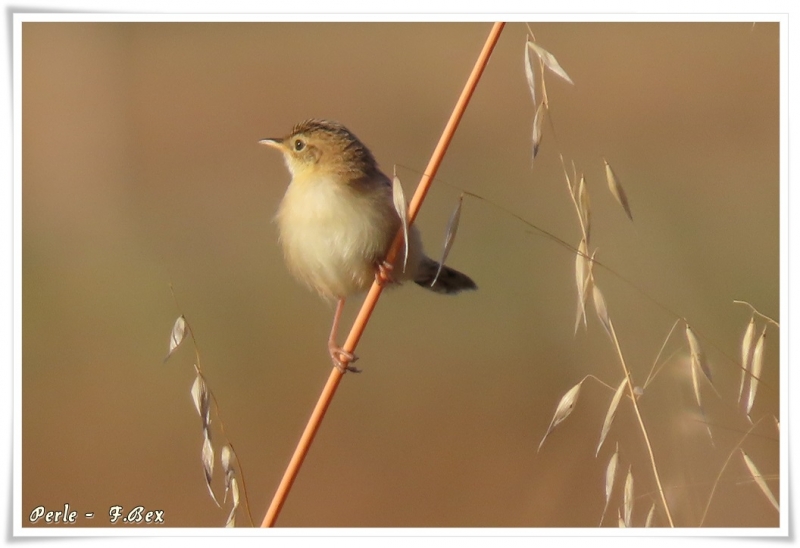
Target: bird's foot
[
  {"x": 383, "y": 273},
  {"x": 342, "y": 359}
]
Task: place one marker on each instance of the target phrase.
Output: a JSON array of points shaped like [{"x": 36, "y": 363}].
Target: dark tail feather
[{"x": 450, "y": 281}]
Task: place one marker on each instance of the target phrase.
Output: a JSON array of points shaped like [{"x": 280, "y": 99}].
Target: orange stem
[{"x": 371, "y": 300}]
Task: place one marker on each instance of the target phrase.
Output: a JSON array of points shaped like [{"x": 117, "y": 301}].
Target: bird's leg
[
  {"x": 383, "y": 273},
  {"x": 336, "y": 351}
]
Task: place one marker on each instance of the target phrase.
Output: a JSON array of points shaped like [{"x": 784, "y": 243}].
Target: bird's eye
[{"x": 299, "y": 145}]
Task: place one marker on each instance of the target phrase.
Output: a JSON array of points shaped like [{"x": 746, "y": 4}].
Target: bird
[{"x": 337, "y": 221}]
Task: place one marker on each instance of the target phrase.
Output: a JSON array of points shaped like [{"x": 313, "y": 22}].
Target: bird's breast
[{"x": 334, "y": 234}]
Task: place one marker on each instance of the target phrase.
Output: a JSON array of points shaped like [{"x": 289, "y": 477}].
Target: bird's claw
[
  {"x": 343, "y": 359},
  {"x": 383, "y": 273}
]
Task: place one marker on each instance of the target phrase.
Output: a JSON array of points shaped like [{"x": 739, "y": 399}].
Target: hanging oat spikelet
[
  {"x": 449, "y": 236},
  {"x": 550, "y": 61},
  {"x": 759, "y": 479},
  {"x": 208, "y": 463},
  {"x": 627, "y": 498},
  {"x": 600, "y": 308},
  {"x": 584, "y": 208},
  {"x": 201, "y": 399},
  {"x": 616, "y": 190},
  {"x": 747, "y": 352},
  {"x": 401, "y": 207},
  {"x": 758, "y": 363},
  {"x": 529, "y": 77},
  {"x": 583, "y": 271},
  {"x": 231, "y": 484},
  {"x": 620, "y": 521},
  {"x": 177, "y": 335},
  {"x": 649, "y": 521},
  {"x": 612, "y": 409},
  {"x": 698, "y": 356},
  {"x": 695, "y": 383},
  {"x": 227, "y": 469},
  {"x": 231, "y": 522},
  {"x": 536, "y": 138},
  {"x": 563, "y": 410},
  {"x": 611, "y": 472}
]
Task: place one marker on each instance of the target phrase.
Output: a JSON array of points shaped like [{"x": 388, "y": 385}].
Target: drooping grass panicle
[{"x": 202, "y": 399}]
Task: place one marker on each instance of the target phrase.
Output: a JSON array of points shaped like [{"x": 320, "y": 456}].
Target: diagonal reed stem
[{"x": 371, "y": 300}]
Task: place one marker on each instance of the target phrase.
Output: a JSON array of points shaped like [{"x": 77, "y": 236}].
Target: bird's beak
[{"x": 271, "y": 142}]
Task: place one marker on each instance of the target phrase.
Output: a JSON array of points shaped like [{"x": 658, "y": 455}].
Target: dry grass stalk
[
  {"x": 759, "y": 314},
  {"x": 371, "y": 299},
  {"x": 654, "y": 369},
  {"x": 580, "y": 197},
  {"x": 642, "y": 428}
]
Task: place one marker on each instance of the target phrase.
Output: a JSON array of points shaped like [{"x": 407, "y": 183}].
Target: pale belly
[{"x": 333, "y": 239}]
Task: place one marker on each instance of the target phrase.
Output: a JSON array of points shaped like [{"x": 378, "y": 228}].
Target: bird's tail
[{"x": 449, "y": 281}]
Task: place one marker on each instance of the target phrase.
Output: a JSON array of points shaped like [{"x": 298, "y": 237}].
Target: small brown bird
[{"x": 338, "y": 220}]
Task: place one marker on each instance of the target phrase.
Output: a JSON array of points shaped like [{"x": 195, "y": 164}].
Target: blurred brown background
[{"x": 141, "y": 169}]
